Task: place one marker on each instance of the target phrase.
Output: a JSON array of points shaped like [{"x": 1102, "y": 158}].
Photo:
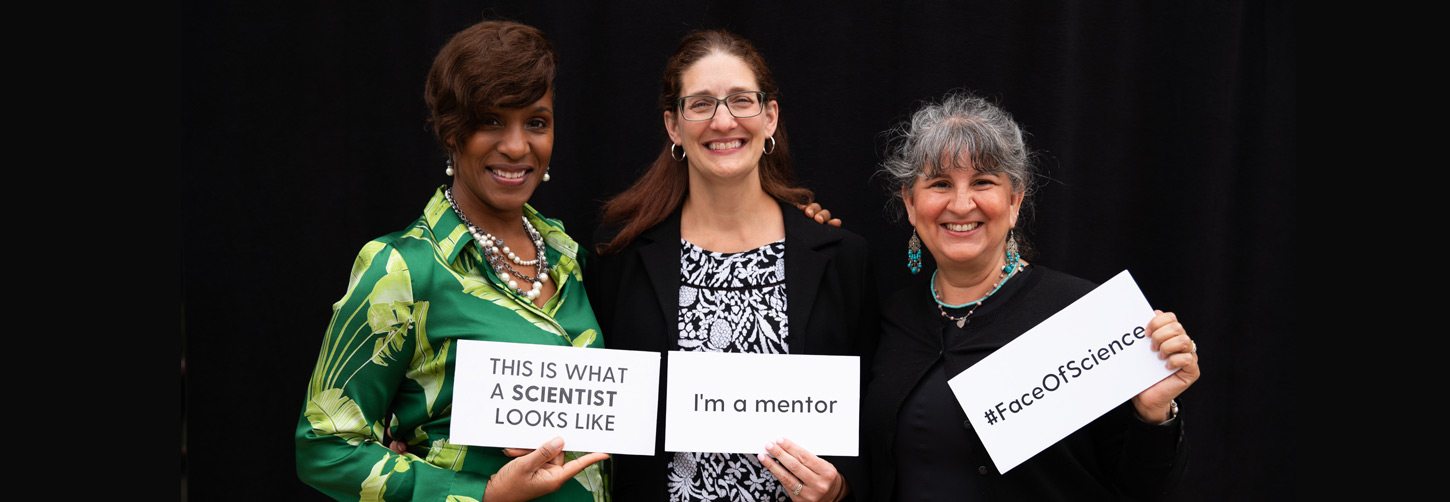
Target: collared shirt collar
[{"x": 453, "y": 236}]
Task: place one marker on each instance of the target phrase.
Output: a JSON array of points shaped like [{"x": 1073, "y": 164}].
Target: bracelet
[{"x": 1172, "y": 412}]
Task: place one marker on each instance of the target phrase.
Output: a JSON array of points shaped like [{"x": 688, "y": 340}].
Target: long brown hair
[{"x": 662, "y": 188}]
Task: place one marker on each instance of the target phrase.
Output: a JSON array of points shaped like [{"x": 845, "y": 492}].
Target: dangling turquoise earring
[
  {"x": 1014, "y": 256},
  {"x": 913, "y": 253}
]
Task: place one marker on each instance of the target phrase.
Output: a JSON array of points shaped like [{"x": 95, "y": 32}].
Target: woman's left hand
[
  {"x": 804, "y": 476},
  {"x": 821, "y": 215},
  {"x": 1172, "y": 343}
]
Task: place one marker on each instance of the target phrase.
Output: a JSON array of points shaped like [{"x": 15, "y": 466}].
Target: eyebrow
[{"x": 732, "y": 90}]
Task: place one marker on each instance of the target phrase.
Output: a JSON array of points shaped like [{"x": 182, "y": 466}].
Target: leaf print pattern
[
  {"x": 330, "y": 412},
  {"x": 729, "y": 302},
  {"x": 385, "y": 362}
]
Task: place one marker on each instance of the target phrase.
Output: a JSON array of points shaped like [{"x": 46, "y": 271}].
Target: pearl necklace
[
  {"x": 495, "y": 252},
  {"x": 1014, "y": 263}
]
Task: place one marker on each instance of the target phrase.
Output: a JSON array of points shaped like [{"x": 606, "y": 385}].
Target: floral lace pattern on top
[{"x": 729, "y": 302}]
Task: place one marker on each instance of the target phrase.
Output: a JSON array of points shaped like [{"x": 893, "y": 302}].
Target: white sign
[
  {"x": 1062, "y": 374},
  {"x": 735, "y": 403},
  {"x": 519, "y": 395}
]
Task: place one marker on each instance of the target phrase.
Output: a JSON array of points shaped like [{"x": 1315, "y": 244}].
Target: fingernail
[
  {"x": 760, "y": 457},
  {"x": 556, "y": 443},
  {"x": 768, "y": 446}
]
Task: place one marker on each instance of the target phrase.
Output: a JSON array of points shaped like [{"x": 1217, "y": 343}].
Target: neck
[
  {"x": 503, "y": 223},
  {"x": 958, "y": 285},
  {"x": 730, "y": 218},
  {"x": 506, "y": 225}
]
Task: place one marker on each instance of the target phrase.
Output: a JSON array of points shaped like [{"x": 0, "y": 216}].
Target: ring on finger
[
  {"x": 1193, "y": 347},
  {"x": 797, "y": 490}
]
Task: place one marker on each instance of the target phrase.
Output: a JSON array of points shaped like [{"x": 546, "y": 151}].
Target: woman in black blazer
[{"x": 703, "y": 253}]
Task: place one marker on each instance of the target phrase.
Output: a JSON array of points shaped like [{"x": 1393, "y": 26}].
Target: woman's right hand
[{"x": 535, "y": 473}]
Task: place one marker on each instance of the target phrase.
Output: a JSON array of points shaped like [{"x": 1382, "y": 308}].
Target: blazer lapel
[
  {"x": 805, "y": 265},
  {"x": 661, "y": 259}
]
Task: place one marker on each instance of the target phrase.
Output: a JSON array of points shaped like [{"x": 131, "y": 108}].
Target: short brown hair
[{"x": 492, "y": 64}]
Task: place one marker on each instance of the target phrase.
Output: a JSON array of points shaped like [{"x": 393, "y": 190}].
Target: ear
[
  {"x": 909, "y": 199},
  {"x": 1017, "y": 206},
  {"x": 772, "y": 117},
  {"x": 672, "y": 126}
]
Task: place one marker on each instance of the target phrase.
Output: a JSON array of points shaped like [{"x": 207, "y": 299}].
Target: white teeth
[
  {"x": 956, "y": 227},
  {"x": 723, "y": 146},
  {"x": 511, "y": 175}
]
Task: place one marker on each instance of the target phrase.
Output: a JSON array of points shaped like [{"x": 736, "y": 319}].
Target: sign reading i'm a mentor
[
  {"x": 518, "y": 395},
  {"x": 735, "y": 403}
]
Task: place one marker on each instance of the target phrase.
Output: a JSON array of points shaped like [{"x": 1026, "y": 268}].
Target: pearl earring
[
  {"x": 546, "y": 175},
  {"x": 449, "y": 170}
]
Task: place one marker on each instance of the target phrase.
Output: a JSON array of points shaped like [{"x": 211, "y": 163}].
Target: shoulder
[
  {"x": 664, "y": 231},
  {"x": 820, "y": 236},
  {"x": 1061, "y": 283},
  {"x": 1045, "y": 292},
  {"x": 390, "y": 247},
  {"x": 380, "y": 266},
  {"x": 907, "y": 300}
]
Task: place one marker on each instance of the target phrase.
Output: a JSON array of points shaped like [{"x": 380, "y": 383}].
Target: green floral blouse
[{"x": 387, "y": 361}]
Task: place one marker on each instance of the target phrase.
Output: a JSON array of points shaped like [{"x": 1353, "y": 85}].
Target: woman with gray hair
[{"x": 962, "y": 173}]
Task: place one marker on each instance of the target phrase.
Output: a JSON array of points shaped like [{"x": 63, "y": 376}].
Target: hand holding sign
[
  {"x": 804, "y": 476},
  {"x": 1171, "y": 342},
  {"x": 536, "y": 474}
]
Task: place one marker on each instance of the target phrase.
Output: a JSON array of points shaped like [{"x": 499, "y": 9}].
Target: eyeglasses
[{"x": 743, "y": 104}]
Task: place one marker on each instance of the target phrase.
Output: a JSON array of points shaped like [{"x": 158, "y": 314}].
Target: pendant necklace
[
  {"x": 499, "y": 256},
  {"x": 1014, "y": 263}
]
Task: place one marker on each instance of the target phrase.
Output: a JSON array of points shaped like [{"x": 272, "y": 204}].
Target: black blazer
[{"x": 831, "y": 308}]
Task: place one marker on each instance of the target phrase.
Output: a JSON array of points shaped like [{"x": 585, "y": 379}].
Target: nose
[
  {"x": 513, "y": 143},
  {"x": 962, "y": 201},
  {"x": 723, "y": 120}
]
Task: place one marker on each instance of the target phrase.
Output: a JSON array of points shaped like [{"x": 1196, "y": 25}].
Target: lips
[
  {"x": 509, "y": 174},
  {"x": 724, "y": 145},
  {"x": 962, "y": 227}
]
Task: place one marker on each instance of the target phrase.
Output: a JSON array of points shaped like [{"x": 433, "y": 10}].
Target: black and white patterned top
[{"x": 729, "y": 302}]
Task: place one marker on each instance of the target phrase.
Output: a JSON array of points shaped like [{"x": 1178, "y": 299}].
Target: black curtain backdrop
[{"x": 1166, "y": 134}]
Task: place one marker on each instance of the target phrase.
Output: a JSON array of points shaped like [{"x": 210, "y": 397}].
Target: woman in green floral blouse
[{"x": 386, "y": 363}]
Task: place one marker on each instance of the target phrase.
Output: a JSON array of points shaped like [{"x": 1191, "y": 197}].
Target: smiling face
[
  {"x": 501, "y": 163},
  {"x": 963, "y": 216},
  {"x": 724, "y": 147}
]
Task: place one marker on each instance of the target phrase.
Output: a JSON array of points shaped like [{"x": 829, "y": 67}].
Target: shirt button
[{"x": 982, "y": 469}]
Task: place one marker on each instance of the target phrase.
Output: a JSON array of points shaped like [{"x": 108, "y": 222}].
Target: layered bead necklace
[
  {"x": 1014, "y": 263},
  {"x": 499, "y": 256}
]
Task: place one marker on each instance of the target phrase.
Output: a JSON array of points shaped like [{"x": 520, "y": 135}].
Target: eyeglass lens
[{"x": 741, "y": 105}]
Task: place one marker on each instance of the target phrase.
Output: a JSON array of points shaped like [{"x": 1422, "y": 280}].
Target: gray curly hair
[{"x": 941, "y": 133}]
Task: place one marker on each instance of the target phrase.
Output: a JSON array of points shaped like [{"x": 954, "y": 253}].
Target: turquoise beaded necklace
[{"x": 1014, "y": 263}]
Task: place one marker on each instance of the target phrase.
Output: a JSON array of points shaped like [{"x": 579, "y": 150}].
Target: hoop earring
[
  {"x": 771, "y": 147},
  {"x": 546, "y": 175},
  {"x": 449, "y": 170},
  {"x": 683, "y": 153},
  {"x": 913, "y": 253}
]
